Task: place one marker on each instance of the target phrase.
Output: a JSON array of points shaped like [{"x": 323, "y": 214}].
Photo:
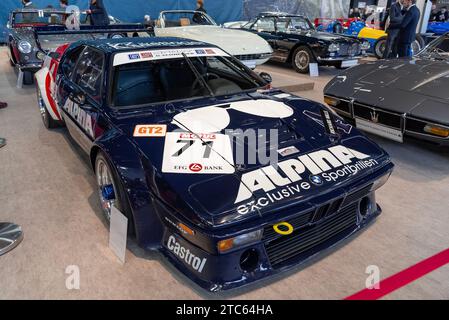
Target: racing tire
[
  {"x": 301, "y": 59},
  {"x": 107, "y": 178},
  {"x": 379, "y": 47},
  {"x": 48, "y": 121},
  {"x": 28, "y": 78}
]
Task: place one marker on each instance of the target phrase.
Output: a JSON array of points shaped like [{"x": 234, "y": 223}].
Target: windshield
[
  {"x": 437, "y": 49},
  {"x": 291, "y": 24},
  {"x": 182, "y": 78},
  {"x": 186, "y": 18},
  {"x": 41, "y": 18}
]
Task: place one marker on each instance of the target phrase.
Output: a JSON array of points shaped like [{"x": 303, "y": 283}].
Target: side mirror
[{"x": 266, "y": 77}]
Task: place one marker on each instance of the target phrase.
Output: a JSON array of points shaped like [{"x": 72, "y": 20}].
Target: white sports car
[{"x": 249, "y": 48}]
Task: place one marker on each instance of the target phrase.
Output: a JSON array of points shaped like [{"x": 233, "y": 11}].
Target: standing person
[
  {"x": 28, "y": 17},
  {"x": 98, "y": 14},
  {"x": 63, "y": 4},
  {"x": 396, "y": 17},
  {"x": 442, "y": 15},
  {"x": 408, "y": 28},
  {"x": 197, "y": 17}
]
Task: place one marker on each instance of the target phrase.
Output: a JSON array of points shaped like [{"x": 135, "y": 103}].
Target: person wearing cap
[{"x": 197, "y": 17}]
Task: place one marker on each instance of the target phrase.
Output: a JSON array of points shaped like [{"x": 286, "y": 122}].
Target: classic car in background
[
  {"x": 438, "y": 28},
  {"x": 398, "y": 98},
  {"x": 252, "y": 50},
  {"x": 33, "y": 32},
  {"x": 153, "y": 114},
  {"x": 377, "y": 38},
  {"x": 295, "y": 40}
]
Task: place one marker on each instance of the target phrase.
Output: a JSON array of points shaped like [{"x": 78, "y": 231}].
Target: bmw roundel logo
[{"x": 316, "y": 180}]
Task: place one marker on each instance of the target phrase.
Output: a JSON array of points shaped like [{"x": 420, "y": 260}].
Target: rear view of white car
[{"x": 249, "y": 48}]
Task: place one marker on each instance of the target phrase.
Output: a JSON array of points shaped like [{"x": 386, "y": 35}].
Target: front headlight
[
  {"x": 365, "y": 45},
  {"x": 40, "y": 55},
  {"x": 437, "y": 130},
  {"x": 334, "y": 47},
  {"x": 239, "y": 241},
  {"x": 333, "y": 102},
  {"x": 25, "y": 47}
]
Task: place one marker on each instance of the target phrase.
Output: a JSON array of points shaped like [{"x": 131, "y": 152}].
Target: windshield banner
[{"x": 149, "y": 55}]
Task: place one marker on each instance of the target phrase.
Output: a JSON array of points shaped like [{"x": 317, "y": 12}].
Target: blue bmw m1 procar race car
[{"x": 162, "y": 120}]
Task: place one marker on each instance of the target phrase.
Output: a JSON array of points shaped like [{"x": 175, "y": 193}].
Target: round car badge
[
  {"x": 316, "y": 180},
  {"x": 10, "y": 236}
]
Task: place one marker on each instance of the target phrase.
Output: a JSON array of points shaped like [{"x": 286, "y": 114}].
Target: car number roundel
[{"x": 197, "y": 154}]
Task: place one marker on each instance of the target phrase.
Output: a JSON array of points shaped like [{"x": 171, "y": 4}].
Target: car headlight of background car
[
  {"x": 334, "y": 47},
  {"x": 25, "y": 47},
  {"x": 239, "y": 241}
]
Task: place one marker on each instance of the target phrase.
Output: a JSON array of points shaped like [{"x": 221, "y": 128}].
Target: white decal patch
[
  {"x": 189, "y": 153},
  {"x": 186, "y": 255},
  {"x": 216, "y": 118}
]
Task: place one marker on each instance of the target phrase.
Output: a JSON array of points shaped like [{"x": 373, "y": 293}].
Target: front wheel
[
  {"x": 110, "y": 191},
  {"x": 301, "y": 60},
  {"x": 379, "y": 47}
]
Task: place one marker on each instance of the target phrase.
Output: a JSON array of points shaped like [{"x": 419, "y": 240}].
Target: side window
[
  {"x": 264, "y": 25},
  {"x": 69, "y": 63},
  {"x": 89, "y": 71}
]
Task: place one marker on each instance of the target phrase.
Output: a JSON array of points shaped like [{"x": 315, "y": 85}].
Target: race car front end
[{"x": 273, "y": 231}]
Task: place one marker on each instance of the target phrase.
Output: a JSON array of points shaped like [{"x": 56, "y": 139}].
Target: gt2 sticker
[
  {"x": 186, "y": 152},
  {"x": 150, "y": 130},
  {"x": 186, "y": 255}
]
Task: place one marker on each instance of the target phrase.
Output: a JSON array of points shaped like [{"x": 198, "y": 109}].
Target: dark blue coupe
[{"x": 169, "y": 125}]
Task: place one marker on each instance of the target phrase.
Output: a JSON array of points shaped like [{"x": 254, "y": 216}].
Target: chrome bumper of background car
[
  {"x": 30, "y": 67},
  {"x": 338, "y": 59}
]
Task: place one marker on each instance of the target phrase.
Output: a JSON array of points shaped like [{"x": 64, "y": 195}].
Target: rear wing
[{"x": 50, "y": 37}]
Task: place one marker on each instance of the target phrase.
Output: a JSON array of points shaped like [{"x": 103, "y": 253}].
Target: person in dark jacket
[
  {"x": 98, "y": 14},
  {"x": 408, "y": 28},
  {"x": 29, "y": 17},
  {"x": 396, "y": 17},
  {"x": 197, "y": 17},
  {"x": 442, "y": 15}
]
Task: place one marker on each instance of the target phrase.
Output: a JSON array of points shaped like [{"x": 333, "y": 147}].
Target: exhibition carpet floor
[{"x": 46, "y": 186}]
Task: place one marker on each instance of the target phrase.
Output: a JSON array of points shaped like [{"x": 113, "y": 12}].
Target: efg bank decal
[{"x": 318, "y": 167}]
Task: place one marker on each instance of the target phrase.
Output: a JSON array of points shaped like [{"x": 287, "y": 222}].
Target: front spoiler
[{"x": 223, "y": 272}]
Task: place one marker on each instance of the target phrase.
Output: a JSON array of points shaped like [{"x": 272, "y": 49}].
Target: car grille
[
  {"x": 246, "y": 57},
  {"x": 392, "y": 120},
  {"x": 313, "y": 229},
  {"x": 349, "y": 49}
]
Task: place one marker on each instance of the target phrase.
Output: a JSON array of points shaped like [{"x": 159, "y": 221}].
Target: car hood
[
  {"x": 235, "y": 42},
  {"x": 226, "y": 196},
  {"x": 404, "y": 86}
]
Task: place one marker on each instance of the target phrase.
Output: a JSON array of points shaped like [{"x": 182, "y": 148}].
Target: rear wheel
[
  {"x": 110, "y": 191},
  {"x": 418, "y": 44},
  {"x": 301, "y": 60},
  {"x": 379, "y": 47},
  {"x": 48, "y": 121}
]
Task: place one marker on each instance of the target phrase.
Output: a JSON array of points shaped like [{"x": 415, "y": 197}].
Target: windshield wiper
[{"x": 198, "y": 75}]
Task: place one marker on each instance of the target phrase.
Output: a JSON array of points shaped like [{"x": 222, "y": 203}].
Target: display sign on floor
[
  {"x": 118, "y": 233},
  {"x": 313, "y": 68}
]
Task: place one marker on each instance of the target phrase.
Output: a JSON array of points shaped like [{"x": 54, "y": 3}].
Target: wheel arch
[{"x": 147, "y": 225}]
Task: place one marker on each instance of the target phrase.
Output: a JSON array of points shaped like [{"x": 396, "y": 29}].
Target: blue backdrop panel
[{"x": 134, "y": 10}]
